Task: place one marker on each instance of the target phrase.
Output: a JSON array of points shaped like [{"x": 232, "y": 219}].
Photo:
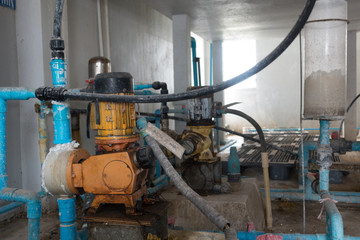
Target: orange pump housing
[{"x": 113, "y": 175}]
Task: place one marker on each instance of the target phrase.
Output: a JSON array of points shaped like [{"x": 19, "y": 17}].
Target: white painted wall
[
  {"x": 141, "y": 43},
  {"x": 275, "y": 102},
  {"x": 8, "y": 77}
]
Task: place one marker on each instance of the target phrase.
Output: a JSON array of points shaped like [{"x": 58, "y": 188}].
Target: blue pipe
[
  {"x": 67, "y": 215},
  {"x": 211, "y": 64},
  {"x": 32, "y": 199},
  {"x": 62, "y": 135},
  {"x": 8, "y": 207},
  {"x": 158, "y": 187},
  {"x": 144, "y": 92},
  {"x": 142, "y": 86},
  {"x": 61, "y": 113},
  {"x": 295, "y": 236},
  {"x": 193, "y": 50}
]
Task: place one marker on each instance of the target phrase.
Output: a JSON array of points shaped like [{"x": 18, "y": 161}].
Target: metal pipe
[{"x": 229, "y": 144}]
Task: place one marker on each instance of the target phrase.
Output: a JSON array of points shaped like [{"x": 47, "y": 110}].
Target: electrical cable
[{"x": 206, "y": 90}]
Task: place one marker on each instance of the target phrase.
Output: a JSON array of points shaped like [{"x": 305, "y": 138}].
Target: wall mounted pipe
[
  {"x": 202, "y": 91},
  {"x": 193, "y": 51},
  {"x": 32, "y": 199}
]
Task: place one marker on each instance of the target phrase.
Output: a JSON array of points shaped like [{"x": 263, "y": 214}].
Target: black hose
[
  {"x": 206, "y": 90},
  {"x": 246, "y": 136},
  {"x": 255, "y": 140},
  {"x": 189, "y": 193},
  {"x": 58, "y": 18},
  {"x": 347, "y": 110},
  {"x": 253, "y": 122}
]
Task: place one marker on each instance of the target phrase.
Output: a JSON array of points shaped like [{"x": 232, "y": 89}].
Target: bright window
[{"x": 239, "y": 56}]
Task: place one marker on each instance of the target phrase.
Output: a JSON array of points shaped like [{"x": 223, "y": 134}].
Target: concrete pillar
[
  {"x": 350, "y": 122},
  {"x": 218, "y": 78},
  {"x": 182, "y": 59},
  {"x": 31, "y": 75}
]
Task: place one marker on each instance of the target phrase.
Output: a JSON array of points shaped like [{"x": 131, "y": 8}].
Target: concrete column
[
  {"x": 182, "y": 59},
  {"x": 31, "y": 75},
  {"x": 350, "y": 122},
  {"x": 218, "y": 78}
]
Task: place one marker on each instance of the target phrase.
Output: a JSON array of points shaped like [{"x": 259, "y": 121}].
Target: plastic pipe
[
  {"x": 193, "y": 50},
  {"x": 142, "y": 86},
  {"x": 295, "y": 236},
  {"x": 233, "y": 166},
  {"x": 33, "y": 202},
  {"x": 67, "y": 214},
  {"x": 42, "y": 132},
  {"x": 61, "y": 113}
]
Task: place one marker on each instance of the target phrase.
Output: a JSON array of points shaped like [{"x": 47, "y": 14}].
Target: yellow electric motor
[{"x": 114, "y": 122}]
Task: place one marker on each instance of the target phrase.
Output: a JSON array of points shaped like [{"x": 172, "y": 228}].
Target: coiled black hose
[
  {"x": 58, "y": 18},
  {"x": 189, "y": 193},
  {"x": 206, "y": 90}
]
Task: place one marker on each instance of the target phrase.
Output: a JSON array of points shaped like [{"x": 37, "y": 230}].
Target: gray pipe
[{"x": 189, "y": 193}]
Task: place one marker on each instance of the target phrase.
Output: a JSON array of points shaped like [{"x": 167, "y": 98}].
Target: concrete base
[{"x": 243, "y": 205}]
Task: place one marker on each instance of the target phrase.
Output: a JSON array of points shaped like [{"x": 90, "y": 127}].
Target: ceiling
[{"x": 233, "y": 19}]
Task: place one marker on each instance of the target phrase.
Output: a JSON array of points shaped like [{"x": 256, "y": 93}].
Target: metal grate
[{"x": 250, "y": 154}]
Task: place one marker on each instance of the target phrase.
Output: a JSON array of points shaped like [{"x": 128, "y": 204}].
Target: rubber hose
[
  {"x": 224, "y": 130},
  {"x": 253, "y": 122},
  {"x": 189, "y": 193},
  {"x": 206, "y": 90},
  {"x": 58, "y": 18}
]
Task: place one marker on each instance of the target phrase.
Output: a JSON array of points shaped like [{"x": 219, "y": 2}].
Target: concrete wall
[
  {"x": 275, "y": 102},
  {"x": 141, "y": 43},
  {"x": 8, "y": 77}
]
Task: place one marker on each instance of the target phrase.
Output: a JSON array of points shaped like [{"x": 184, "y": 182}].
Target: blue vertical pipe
[
  {"x": 157, "y": 124},
  {"x": 67, "y": 214},
  {"x": 61, "y": 113},
  {"x": 62, "y": 134},
  {"x": 32, "y": 199},
  {"x": 211, "y": 64},
  {"x": 193, "y": 50},
  {"x": 3, "y": 172},
  {"x": 324, "y": 139},
  {"x": 304, "y": 156}
]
